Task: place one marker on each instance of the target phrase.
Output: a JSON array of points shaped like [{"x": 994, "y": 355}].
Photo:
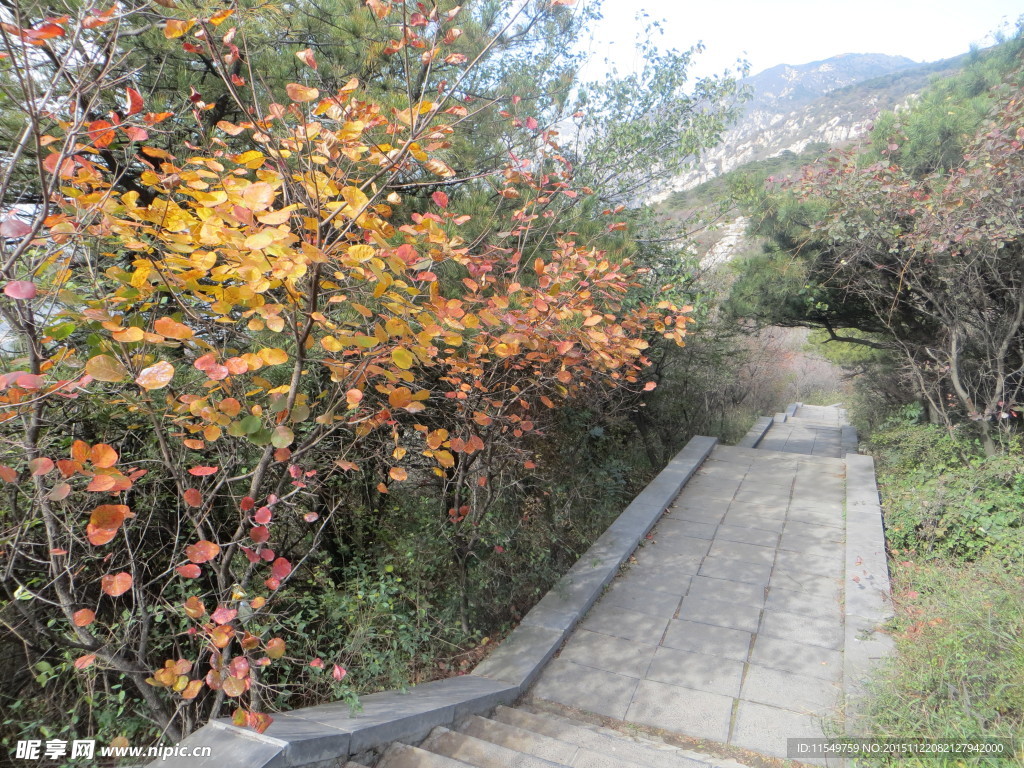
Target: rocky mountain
[{"x": 830, "y": 102}]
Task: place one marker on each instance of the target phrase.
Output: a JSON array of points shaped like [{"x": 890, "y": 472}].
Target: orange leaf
[
  {"x": 103, "y": 456},
  {"x": 194, "y": 607},
  {"x": 203, "y": 471},
  {"x": 116, "y": 584},
  {"x": 99, "y": 536},
  {"x": 397, "y": 473},
  {"x": 306, "y": 57},
  {"x": 172, "y": 329},
  {"x": 175, "y": 28},
  {"x": 129, "y": 335},
  {"x": 101, "y": 483},
  {"x": 106, "y": 368},
  {"x": 193, "y": 498},
  {"x": 221, "y": 16},
  {"x": 399, "y": 398},
  {"x": 156, "y": 376},
  {"x": 297, "y": 92},
  {"x": 80, "y": 451},
  {"x": 109, "y": 516},
  {"x": 83, "y": 618}
]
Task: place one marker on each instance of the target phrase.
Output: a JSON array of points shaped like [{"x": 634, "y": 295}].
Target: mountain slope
[{"x": 833, "y": 101}]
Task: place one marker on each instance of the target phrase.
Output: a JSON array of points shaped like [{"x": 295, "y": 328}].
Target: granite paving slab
[{"x": 728, "y": 623}]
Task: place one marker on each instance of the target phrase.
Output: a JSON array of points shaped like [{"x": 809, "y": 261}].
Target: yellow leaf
[
  {"x": 355, "y": 197},
  {"x": 156, "y": 376},
  {"x": 445, "y": 458},
  {"x": 175, "y": 28},
  {"x": 261, "y": 240},
  {"x": 297, "y": 92},
  {"x": 106, "y": 368},
  {"x": 403, "y": 358},
  {"x": 273, "y": 356}
]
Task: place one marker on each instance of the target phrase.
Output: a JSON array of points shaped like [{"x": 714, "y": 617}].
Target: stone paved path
[{"x": 728, "y": 626}]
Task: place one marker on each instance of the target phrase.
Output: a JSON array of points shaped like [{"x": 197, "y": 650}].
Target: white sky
[{"x": 770, "y": 32}]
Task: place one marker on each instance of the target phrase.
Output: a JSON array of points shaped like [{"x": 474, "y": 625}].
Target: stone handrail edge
[
  {"x": 325, "y": 734},
  {"x": 867, "y": 591}
]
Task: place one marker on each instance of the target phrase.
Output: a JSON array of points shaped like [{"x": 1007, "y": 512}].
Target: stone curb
[
  {"x": 867, "y": 589},
  {"x": 756, "y": 433},
  {"x": 330, "y": 733}
]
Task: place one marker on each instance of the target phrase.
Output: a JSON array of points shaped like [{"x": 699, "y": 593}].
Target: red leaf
[
  {"x": 259, "y": 534},
  {"x": 7, "y": 474},
  {"x": 440, "y": 198},
  {"x": 281, "y": 568},
  {"x": 116, "y": 584},
  {"x": 13, "y": 227},
  {"x": 40, "y": 466},
  {"x": 202, "y": 551},
  {"x": 193, "y": 498},
  {"x": 649, "y": 386},
  {"x": 134, "y": 101},
  {"x": 317, "y": 663},
  {"x": 20, "y": 290},
  {"x": 223, "y": 614},
  {"x": 203, "y": 471},
  {"x": 263, "y": 515},
  {"x": 338, "y": 673},
  {"x": 85, "y": 661},
  {"x": 83, "y": 618},
  {"x": 247, "y": 503}
]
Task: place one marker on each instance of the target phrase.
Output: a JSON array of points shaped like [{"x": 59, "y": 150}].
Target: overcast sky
[{"x": 770, "y": 32}]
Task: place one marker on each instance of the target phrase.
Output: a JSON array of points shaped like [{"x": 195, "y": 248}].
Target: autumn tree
[{"x": 216, "y": 329}]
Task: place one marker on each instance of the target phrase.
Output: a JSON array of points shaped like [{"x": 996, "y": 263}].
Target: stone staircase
[
  {"x": 734, "y": 604},
  {"x": 525, "y": 738}
]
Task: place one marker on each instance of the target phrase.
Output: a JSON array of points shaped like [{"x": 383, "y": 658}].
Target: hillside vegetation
[{"x": 906, "y": 256}]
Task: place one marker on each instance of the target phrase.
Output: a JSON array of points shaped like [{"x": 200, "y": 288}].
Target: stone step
[
  {"x": 546, "y": 747},
  {"x": 619, "y": 749},
  {"x": 404, "y": 756},
  {"x": 737, "y": 454},
  {"x": 481, "y": 753}
]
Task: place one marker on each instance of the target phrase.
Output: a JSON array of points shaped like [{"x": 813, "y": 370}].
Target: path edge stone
[
  {"x": 322, "y": 736},
  {"x": 867, "y": 590}
]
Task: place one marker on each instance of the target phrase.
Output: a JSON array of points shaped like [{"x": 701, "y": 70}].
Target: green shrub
[
  {"x": 958, "y": 671},
  {"x": 944, "y": 498}
]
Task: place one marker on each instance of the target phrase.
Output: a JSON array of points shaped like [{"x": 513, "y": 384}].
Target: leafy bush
[{"x": 944, "y": 498}]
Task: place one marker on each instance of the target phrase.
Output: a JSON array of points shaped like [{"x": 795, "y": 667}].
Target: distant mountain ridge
[
  {"x": 832, "y": 101},
  {"x": 788, "y": 85}
]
